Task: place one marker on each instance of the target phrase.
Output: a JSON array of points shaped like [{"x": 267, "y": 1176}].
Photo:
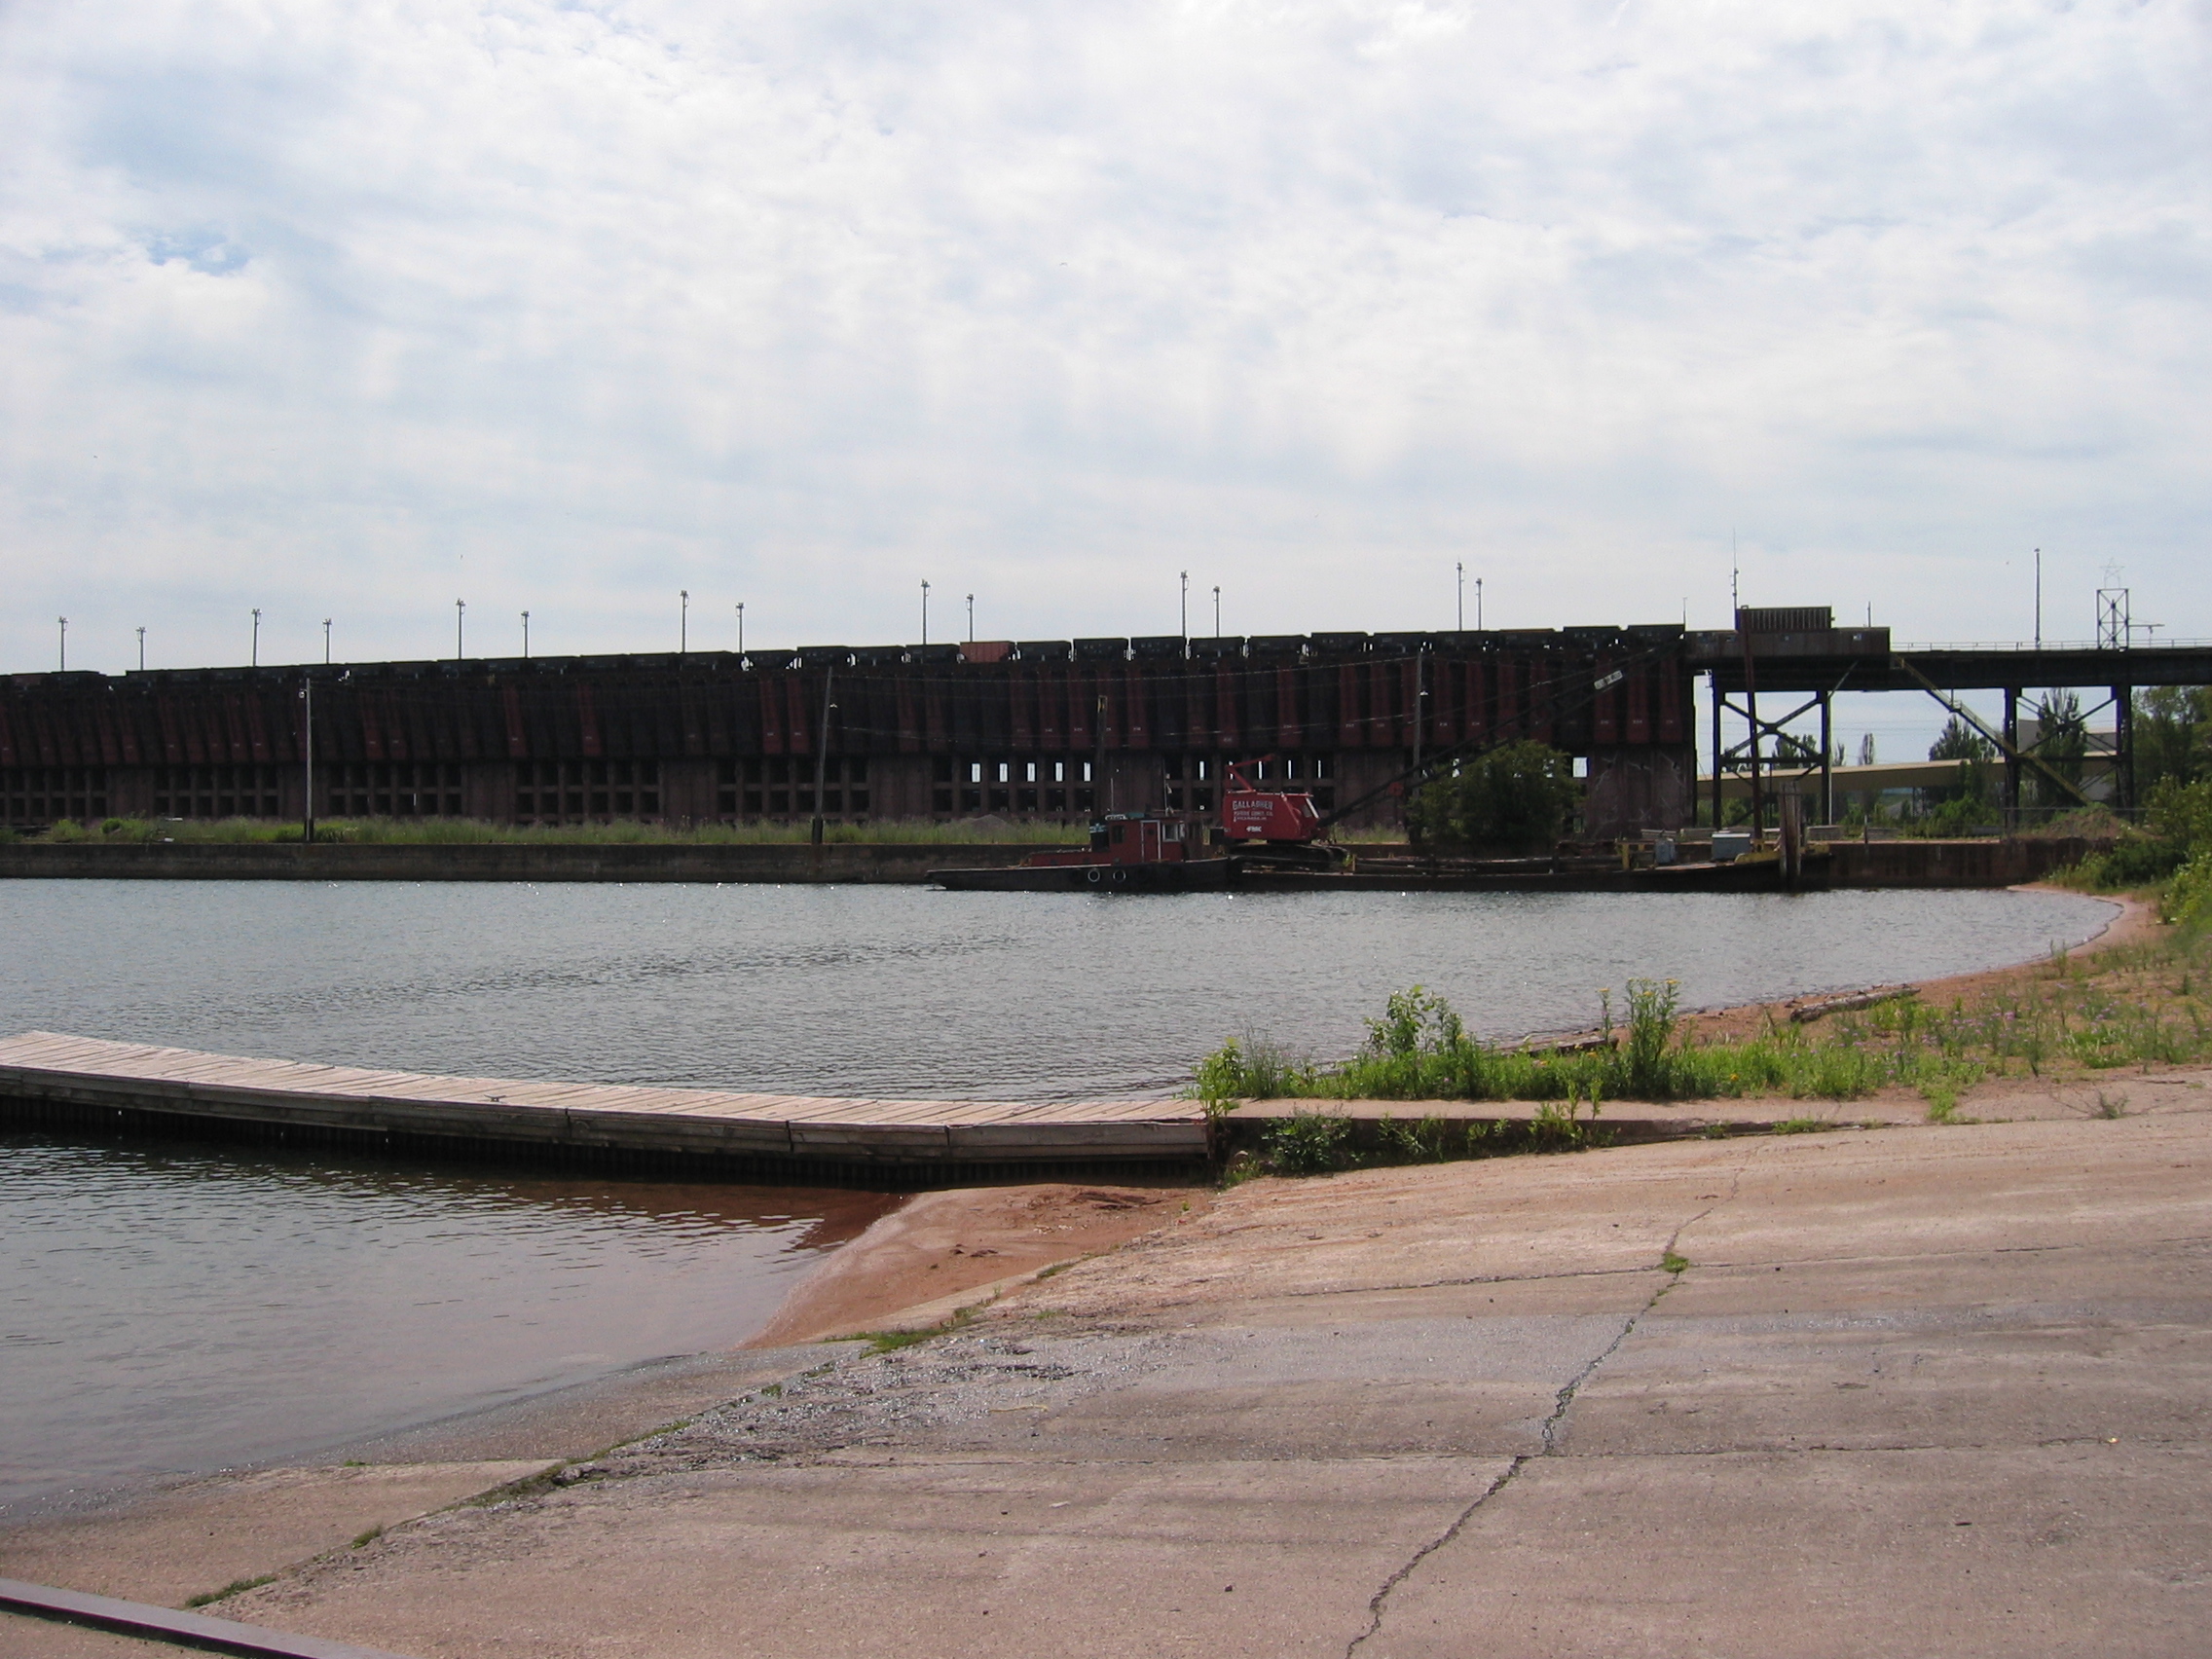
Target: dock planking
[{"x": 50, "y": 1076}]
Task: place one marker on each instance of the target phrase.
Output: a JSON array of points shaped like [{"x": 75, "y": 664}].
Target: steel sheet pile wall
[{"x": 1053, "y": 729}]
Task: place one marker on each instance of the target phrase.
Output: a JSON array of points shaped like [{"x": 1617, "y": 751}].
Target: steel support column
[
  {"x": 1827, "y": 765},
  {"x": 2123, "y": 748},
  {"x": 2012, "y": 757}
]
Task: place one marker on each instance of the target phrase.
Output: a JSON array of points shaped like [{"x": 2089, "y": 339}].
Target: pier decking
[{"x": 51, "y": 1078}]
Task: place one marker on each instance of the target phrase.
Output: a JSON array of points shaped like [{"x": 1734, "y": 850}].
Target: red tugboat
[{"x": 1161, "y": 852}]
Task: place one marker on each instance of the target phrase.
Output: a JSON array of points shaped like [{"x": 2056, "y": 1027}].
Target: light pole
[
  {"x": 63, "y": 660},
  {"x": 971, "y": 618},
  {"x": 1217, "y": 611},
  {"x": 459, "y": 610},
  {"x": 326, "y": 642},
  {"x": 306, "y": 752},
  {"x": 925, "y": 613},
  {"x": 1462, "y": 568},
  {"x": 525, "y": 636},
  {"x": 1185, "y": 613},
  {"x": 2039, "y": 599},
  {"x": 1478, "y": 605},
  {"x": 142, "y": 649},
  {"x": 253, "y": 660},
  {"x": 741, "y": 627},
  {"x": 684, "y": 623}
]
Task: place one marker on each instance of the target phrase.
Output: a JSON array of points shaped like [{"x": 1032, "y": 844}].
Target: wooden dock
[{"x": 46, "y": 1078}]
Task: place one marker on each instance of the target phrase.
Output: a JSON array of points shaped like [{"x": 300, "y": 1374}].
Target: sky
[{"x": 355, "y": 310}]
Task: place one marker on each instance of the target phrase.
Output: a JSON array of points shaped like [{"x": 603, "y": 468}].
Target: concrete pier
[{"x": 47, "y": 1078}]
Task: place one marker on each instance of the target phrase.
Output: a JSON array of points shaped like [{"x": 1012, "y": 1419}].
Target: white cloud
[{"x": 351, "y": 311}]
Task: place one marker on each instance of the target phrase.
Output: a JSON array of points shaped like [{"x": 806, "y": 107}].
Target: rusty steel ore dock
[{"x": 49, "y": 1080}]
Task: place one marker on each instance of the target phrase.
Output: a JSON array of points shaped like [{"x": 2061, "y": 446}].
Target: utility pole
[
  {"x": 1421, "y": 717},
  {"x": 1186, "y": 613},
  {"x": 2039, "y": 599},
  {"x": 1101, "y": 798},
  {"x": 822, "y": 748},
  {"x": 684, "y": 623},
  {"x": 1217, "y": 611},
  {"x": 459, "y": 607},
  {"x": 326, "y": 642},
  {"x": 925, "y": 613},
  {"x": 63, "y": 663},
  {"x": 142, "y": 649},
  {"x": 1462, "y": 568},
  {"x": 971, "y": 618},
  {"x": 1478, "y": 605},
  {"x": 306, "y": 748},
  {"x": 741, "y": 627},
  {"x": 525, "y": 636},
  {"x": 254, "y": 659}
]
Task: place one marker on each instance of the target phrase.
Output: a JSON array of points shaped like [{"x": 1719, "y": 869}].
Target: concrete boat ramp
[{"x": 47, "y": 1079}]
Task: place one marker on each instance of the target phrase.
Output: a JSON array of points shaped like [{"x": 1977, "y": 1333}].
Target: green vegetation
[
  {"x": 469, "y": 831},
  {"x": 623, "y": 832},
  {"x": 2173, "y": 853},
  {"x": 1308, "y": 1143},
  {"x": 1516, "y": 798},
  {"x": 1671, "y": 1263},
  {"x": 2138, "y": 1007}
]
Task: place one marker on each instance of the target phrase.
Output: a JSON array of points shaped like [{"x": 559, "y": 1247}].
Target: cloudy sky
[{"x": 350, "y": 311}]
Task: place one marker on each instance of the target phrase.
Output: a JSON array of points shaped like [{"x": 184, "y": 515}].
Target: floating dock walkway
[{"x": 81, "y": 1082}]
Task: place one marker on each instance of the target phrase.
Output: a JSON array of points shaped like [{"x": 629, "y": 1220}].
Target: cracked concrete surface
[{"x": 1926, "y": 1390}]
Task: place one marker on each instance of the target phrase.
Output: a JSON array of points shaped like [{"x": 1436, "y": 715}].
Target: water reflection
[{"x": 171, "y": 1307}]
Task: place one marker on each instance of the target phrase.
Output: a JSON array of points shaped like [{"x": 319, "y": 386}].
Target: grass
[
  {"x": 623, "y": 832},
  {"x": 470, "y": 832},
  {"x": 2130, "y": 1007}
]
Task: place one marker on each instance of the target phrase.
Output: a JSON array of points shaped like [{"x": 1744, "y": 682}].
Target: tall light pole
[
  {"x": 1462, "y": 568},
  {"x": 253, "y": 660},
  {"x": 971, "y": 618},
  {"x": 1185, "y": 613},
  {"x": 1478, "y": 605},
  {"x": 741, "y": 627},
  {"x": 925, "y": 613},
  {"x": 2039, "y": 599},
  {"x": 684, "y": 623},
  {"x": 326, "y": 642},
  {"x": 459, "y": 610},
  {"x": 142, "y": 649},
  {"x": 63, "y": 660},
  {"x": 1217, "y": 611},
  {"x": 306, "y": 752},
  {"x": 525, "y": 636}
]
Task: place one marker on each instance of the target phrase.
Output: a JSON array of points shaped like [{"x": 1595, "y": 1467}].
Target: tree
[
  {"x": 1961, "y": 742},
  {"x": 1513, "y": 799},
  {"x": 2173, "y": 735}
]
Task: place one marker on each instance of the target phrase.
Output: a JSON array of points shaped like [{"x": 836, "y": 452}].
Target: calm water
[
  {"x": 171, "y": 1307},
  {"x": 907, "y": 991}
]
